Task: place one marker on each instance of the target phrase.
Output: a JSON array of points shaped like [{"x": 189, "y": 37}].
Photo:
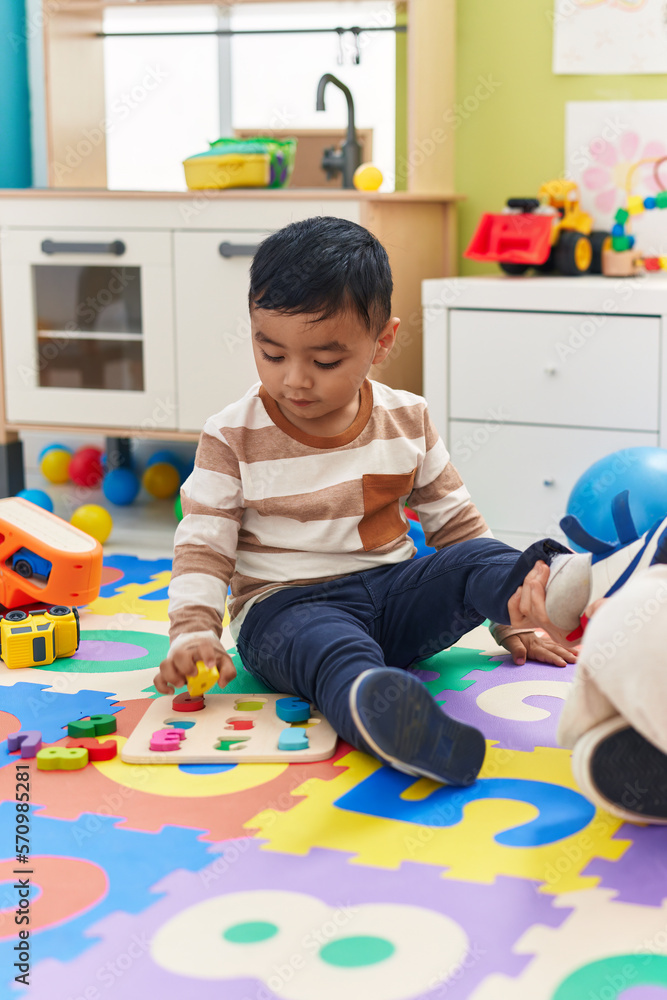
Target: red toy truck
[{"x": 550, "y": 232}]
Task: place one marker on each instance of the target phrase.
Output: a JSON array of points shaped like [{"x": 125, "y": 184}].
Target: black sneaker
[
  {"x": 622, "y": 772},
  {"x": 404, "y": 726}
]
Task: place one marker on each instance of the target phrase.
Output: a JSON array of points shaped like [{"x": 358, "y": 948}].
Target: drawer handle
[
  {"x": 238, "y": 249},
  {"x": 552, "y": 370},
  {"x": 549, "y": 482},
  {"x": 117, "y": 247}
]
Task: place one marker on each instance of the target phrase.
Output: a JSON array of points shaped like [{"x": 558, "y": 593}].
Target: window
[{"x": 163, "y": 94}]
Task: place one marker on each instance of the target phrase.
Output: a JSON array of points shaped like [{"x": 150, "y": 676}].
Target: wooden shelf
[
  {"x": 122, "y": 432},
  {"x": 230, "y": 194}
]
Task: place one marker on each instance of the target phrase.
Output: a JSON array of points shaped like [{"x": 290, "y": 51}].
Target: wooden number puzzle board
[{"x": 204, "y": 731}]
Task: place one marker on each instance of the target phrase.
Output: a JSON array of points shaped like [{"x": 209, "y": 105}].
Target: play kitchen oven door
[{"x": 87, "y": 328}]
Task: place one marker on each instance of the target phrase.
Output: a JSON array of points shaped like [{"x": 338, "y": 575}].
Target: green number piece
[{"x": 96, "y": 725}]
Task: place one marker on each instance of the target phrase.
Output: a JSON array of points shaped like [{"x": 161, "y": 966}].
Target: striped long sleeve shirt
[{"x": 270, "y": 506}]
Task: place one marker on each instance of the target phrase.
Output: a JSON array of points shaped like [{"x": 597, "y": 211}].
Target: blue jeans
[{"x": 314, "y": 641}]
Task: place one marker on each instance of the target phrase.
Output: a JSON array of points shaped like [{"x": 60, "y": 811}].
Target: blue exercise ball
[
  {"x": 38, "y": 497},
  {"x": 642, "y": 471},
  {"x": 120, "y": 486},
  {"x": 163, "y": 456}
]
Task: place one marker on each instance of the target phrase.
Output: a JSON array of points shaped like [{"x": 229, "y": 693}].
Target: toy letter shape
[
  {"x": 96, "y": 725},
  {"x": 62, "y": 758},
  {"x": 30, "y": 741},
  {"x": 184, "y": 702},
  {"x": 167, "y": 739},
  {"x": 205, "y": 679},
  {"x": 97, "y": 751},
  {"x": 293, "y": 739},
  {"x": 292, "y": 710}
]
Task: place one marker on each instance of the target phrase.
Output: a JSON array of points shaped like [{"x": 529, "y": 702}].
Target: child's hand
[
  {"x": 527, "y": 608},
  {"x": 175, "y": 670},
  {"x": 528, "y": 646}
]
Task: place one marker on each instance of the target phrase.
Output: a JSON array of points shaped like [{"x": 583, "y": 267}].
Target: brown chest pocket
[{"x": 382, "y": 521}]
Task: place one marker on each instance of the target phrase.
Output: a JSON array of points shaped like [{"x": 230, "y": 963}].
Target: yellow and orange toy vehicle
[
  {"x": 37, "y": 638},
  {"x": 44, "y": 559},
  {"x": 550, "y": 233}
]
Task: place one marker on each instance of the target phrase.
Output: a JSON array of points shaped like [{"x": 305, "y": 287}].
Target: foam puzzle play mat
[{"x": 301, "y": 878}]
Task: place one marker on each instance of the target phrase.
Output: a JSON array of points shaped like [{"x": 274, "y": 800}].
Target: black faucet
[{"x": 348, "y": 157}]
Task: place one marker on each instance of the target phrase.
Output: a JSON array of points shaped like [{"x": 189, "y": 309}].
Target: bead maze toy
[
  {"x": 44, "y": 558},
  {"x": 231, "y": 728},
  {"x": 619, "y": 258},
  {"x": 550, "y": 233}
]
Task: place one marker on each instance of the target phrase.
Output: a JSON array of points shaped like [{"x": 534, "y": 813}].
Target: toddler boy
[{"x": 297, "y": 498}]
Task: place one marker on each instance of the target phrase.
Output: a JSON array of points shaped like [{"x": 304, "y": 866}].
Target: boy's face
[{"x": 314, "y": 368}]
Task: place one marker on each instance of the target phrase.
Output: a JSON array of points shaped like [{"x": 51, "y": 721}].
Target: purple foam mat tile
[
  {"x": 424, "y": 675},
  {"x": 644, "y": 993},
  {"x": 512, "y": 734},
  {"x": 121, "y": 965},
  {"x": 640, "y": 874}
]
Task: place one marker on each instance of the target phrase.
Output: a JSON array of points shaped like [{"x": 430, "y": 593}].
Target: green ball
[{"x": 178, "y": 508}]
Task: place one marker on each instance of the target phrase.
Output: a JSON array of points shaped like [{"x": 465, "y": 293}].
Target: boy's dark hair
[{"x": 323, "y": 266}]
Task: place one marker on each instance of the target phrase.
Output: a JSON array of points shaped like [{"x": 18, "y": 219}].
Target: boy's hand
[
  {"x": 527, "y": 608},
  {"x": 178, "y": 666},
  {"x": 528, "y": 646}
]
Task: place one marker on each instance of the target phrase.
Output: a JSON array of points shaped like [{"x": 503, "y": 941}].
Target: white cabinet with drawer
[{"x": 531, "y": 380}]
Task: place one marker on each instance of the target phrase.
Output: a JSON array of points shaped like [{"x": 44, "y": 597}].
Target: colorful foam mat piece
[{"x": 302, "y": 881}]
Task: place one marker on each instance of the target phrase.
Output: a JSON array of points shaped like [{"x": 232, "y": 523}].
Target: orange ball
[
  {"x": 367, "y": 177},
  {"x": 161, "y": 480},
  {"x": 55, "y": 465},
  {"x": 94, "y": 520}
]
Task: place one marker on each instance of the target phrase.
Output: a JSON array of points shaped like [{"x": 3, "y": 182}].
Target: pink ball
[{"x": 85, "y": 469}]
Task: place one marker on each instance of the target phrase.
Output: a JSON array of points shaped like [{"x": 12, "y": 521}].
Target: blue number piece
[
  {"x": 562, "y": 811},
  {"x": 293, "y": 739},
  {"x": 292, "y": 710}
]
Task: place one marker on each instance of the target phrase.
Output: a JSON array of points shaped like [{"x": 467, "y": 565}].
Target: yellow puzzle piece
[{"x": 204, "y": 681}]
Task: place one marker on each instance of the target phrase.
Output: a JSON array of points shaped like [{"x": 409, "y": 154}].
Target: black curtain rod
[{"x": 226, "y": 32}]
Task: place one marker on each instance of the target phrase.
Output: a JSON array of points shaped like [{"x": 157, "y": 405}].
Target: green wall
[{"x": 514, "y": 139}]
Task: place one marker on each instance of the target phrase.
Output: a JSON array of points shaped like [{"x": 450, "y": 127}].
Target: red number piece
[
  {"x": 186, "y": 703},
  {"x": 97, "y": 751}
]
